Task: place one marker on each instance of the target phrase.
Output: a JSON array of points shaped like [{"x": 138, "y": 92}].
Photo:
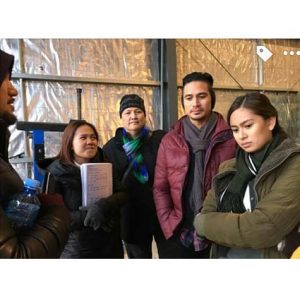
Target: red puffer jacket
[{"x": 172, "y": 167}]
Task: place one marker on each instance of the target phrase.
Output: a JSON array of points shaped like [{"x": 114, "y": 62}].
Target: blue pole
[{"x": 38, "y": 152}]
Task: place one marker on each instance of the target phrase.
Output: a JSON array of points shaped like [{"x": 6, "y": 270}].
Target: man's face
[
  {"x": 197, "y": 102},
  {"x": 7, "y": 94}
]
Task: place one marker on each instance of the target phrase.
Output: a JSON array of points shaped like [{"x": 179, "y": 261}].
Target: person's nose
[
  {"x": 195, "y": 102},
  {"x": 242, "y": 134},
  {"x": 133, "y": 115},
  {"x": 90, "y": 141},
  {"x": 12, "y": 90}
]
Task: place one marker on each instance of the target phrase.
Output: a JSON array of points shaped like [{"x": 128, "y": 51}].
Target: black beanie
[
  {"x": 131, "y": 100},
  {"x": 6, "y": 65}
]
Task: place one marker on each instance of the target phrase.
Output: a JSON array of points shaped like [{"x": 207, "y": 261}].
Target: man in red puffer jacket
[{"x": 188, "y": 158}]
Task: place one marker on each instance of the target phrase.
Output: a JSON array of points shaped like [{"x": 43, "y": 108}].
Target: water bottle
[{"x": 23, "y": 209}]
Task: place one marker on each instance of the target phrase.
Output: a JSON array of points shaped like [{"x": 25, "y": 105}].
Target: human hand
[{"x": 100, "y": 214}]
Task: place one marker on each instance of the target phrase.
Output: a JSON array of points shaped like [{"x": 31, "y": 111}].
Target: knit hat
[
  {"x": 131, "y": 100},
  {"x": 6, "y": 65}
]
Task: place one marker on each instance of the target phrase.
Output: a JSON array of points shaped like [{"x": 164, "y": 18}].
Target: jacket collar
[
  {"x": 221, "y": 126},
  {"x": 48, "y": 163},
  {"x": 277, "y": 157},
  {"x": 280, "y": 154},
  {"x": 119, "y": 137}
]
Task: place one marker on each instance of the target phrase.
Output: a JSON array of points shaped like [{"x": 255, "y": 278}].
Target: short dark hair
[
  {"x": 259, "y": 104},
  {"x": 199, "y": 76},
  {"x": 66, "y": 154}
]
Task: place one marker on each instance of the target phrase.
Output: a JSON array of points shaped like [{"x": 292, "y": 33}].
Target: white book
[{"x": 96, "y": 179}]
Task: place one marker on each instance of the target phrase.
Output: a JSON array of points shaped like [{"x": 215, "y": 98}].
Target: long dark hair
[
  {"x": 66, "y": 153},
  {"x": 259, "y": 104}
]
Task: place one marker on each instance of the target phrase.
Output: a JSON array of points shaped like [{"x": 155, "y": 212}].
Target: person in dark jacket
[
  {"x": 188, "y": 158},
  {"x": 47, "y": 237},
  {"x": 253, "y": 209},
  {"x": 132, "y": 151},
  {"x": 80, "y": 145}
]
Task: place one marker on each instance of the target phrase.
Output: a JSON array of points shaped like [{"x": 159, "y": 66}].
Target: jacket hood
[
  {"x": 119, "y": 134},
  {"x": 287, "y": 148},
  {"x": 4, "y": 140},
  {"x": 278, "y": 155},
  {"x": 6, "y": 65}
]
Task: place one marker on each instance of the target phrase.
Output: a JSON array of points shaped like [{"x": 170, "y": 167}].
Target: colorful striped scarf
[{"x": 131, "y": 147}]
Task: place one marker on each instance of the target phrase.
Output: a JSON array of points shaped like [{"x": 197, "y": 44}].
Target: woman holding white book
[{"x": 80, "y": 145}]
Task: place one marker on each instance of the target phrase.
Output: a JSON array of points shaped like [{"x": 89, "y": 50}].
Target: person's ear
[{"x": 272, "y": 123}]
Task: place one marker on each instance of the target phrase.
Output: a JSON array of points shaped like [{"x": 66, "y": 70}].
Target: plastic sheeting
[
  {"x": 233, "y": 63},
  {"x": 282, "y": 71},
  {"x": 56, "y": 101},
  {"x": 277, "y": 76},
  {"x": 237, "y": 56},
  {"x": 111, "y": 59}
]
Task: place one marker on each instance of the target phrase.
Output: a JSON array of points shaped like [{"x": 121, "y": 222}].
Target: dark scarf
[
  {"x": 232, "y": 200},
  {"x": 135, "y": 158},
  {"x": 198, "y": 140}
]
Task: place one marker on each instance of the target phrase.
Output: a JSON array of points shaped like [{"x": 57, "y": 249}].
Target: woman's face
[
  {"x": 133, "y": 120},
  {"x": 85, "y": 144},
  {"x": 252, "y": 132}
]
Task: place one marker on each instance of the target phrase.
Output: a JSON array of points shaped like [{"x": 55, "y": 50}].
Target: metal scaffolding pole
[
  {"x": 169, "y": 86},
  {"x": 24, "y": 104}
]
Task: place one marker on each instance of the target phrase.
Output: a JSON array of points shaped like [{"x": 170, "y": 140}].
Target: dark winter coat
[
  {"x": 138, "y": 215},
  {"x": 172, "y": 166},
  {"x": 83, "y": 241},
  {"x": 46, "y": 239}
]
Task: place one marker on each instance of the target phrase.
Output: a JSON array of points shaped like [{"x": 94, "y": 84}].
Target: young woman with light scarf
[{"x": 253, "y": 209}]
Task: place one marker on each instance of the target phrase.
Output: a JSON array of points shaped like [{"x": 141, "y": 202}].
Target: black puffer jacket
[
  {"x": 46, "y": 239},
  {"x": 138, "y": 215},
  {"x": 83, "y": 241}
]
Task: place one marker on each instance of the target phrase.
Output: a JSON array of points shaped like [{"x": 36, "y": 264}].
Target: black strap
[{"x": 129, "y": 168}]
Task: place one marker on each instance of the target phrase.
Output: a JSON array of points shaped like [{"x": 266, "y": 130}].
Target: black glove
[
  {"x": 291, "y": 242},
  {"x": 102, "y": 213},
  {"x": 77, "y": 219}
]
